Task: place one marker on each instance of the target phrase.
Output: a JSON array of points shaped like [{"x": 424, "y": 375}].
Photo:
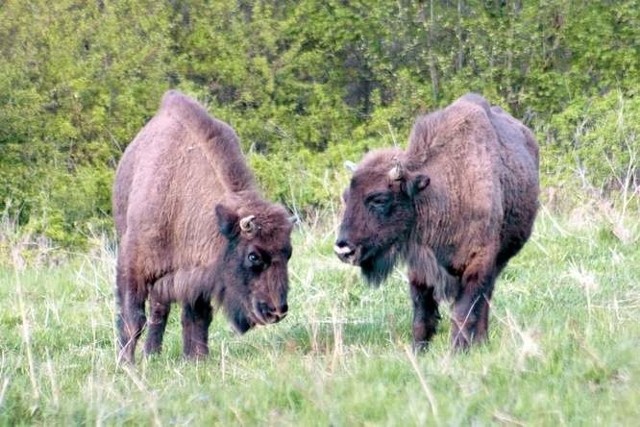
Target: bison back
[{"x": 168, "y": 182}]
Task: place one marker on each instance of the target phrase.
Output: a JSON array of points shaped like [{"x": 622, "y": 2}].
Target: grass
[{"x": 563, "y": 346}]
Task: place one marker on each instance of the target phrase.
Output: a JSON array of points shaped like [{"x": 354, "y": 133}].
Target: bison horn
[
  {"x": 395, "y": 174},
  {"x": 246, "y": 223},
  {"x": 351, "y": 167}
]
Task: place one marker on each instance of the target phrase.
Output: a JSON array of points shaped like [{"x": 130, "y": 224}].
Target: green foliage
[
  {"x": 306, "y": 84},
  {"x": 76, "y": 85},
  {"x": 598, "y": 138},
  {"x": 73, "y": 206}
]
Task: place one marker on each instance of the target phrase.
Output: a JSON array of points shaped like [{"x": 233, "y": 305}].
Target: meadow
[{"x": 563, "y": 347}]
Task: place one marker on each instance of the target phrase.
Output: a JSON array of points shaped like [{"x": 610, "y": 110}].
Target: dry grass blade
[
  {"x": 3, "y": 390},
  {"x": 145, "y": 390},
  {"x": 26, "y": 338},
  {"x": 507, "y": 419},
  {"x": 425, "y": 387}
]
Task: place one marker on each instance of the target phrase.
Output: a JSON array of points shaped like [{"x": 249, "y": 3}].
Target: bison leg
[
  {"x": 470, "y": 319},
  {"x": 196, "y": 319},
  {"x": 159, "y": 313},
  {"x": 131, "y": 317},
  {"x": 425, "y": 313}
]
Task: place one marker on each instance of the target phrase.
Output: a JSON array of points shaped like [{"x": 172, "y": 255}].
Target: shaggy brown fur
[
  {"x": 456, "y": 206},
  {"x": 181, "y": 192}
]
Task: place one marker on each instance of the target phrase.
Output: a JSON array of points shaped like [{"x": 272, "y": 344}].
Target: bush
[
  {"x": 306, "y": 85},
  {"x": 596, "y": 140}
]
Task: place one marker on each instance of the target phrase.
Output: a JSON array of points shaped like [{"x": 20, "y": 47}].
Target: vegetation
[
  {"x": 562, "y": 350},
  {"x": 307, "y": 84}
]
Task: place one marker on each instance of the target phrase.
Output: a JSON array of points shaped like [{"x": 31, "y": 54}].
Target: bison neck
[
  {"x": 436, "y": 219},
  {"x": 188, "y": 284},
  {"x": 431, "y": 248}
]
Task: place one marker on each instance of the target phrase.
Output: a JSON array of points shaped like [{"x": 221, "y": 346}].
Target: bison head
[
  {"x": 254, "y": 269},
  {"x": 379, "y": 214}
]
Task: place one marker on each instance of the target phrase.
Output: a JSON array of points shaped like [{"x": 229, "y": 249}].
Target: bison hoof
[
  {"x": 125, "y": 358},
  {"x": 462, "y": 343},
  {"x": 420, "y": 346},
  {"x": 197, "y": 356}
]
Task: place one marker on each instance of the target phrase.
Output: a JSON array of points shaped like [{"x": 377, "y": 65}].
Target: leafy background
[{"x": 307, "y": 85}]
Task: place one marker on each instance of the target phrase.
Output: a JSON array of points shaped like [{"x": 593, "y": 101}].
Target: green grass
[{"x": 563, "y": 347}]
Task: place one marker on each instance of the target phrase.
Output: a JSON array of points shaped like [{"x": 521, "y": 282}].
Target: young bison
[
  {"x": 192, "y": 226},
  {"x": 456, "y": 206}
]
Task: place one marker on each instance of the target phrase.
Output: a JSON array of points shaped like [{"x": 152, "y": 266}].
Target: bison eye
[
  {"x": 378, "y": 202},
  {"x": 254, "y": 259}
]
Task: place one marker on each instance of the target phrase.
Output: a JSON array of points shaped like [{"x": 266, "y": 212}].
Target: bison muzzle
[{"x": 455, "y": 206}]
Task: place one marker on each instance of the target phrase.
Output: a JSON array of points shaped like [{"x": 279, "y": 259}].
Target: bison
[
  {"x": 192, "y": 227},
  {"x": 455, "y": 206}
]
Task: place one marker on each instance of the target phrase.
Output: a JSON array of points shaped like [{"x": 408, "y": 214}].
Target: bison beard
[
  {"x": 455, "y": 206},
  {"x": 375, "y": 259},
  {"x": 377, "y": 267},
  {"x": 237, "y": 315}
]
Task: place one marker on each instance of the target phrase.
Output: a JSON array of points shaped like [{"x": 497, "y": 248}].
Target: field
[{"x": 563, "y": 349}]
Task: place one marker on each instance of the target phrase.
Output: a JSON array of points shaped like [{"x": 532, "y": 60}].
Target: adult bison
[
  {"x": 193, "y": 227},
  {"x": 456, "y": 206}
]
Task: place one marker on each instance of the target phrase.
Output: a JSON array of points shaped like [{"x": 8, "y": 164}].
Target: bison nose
[
  {"x": 281, "y": 313},
  {"x": 343, "y": 250},
  {"x": 284, "y": 309},
  {"x": 271, "y": 314}
]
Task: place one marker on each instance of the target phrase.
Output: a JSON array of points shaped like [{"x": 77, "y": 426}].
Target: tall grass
[{"x": 563, "y": 346}]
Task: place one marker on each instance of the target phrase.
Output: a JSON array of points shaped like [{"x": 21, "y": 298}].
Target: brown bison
[
  {"x": 193, "y": 227},
  {"x": 455, "y": 206}
]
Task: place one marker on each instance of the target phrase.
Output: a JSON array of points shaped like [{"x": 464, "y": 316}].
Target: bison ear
[
  {"x": 417, "y": 184},
  {"x": 227, "y": 221}
]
